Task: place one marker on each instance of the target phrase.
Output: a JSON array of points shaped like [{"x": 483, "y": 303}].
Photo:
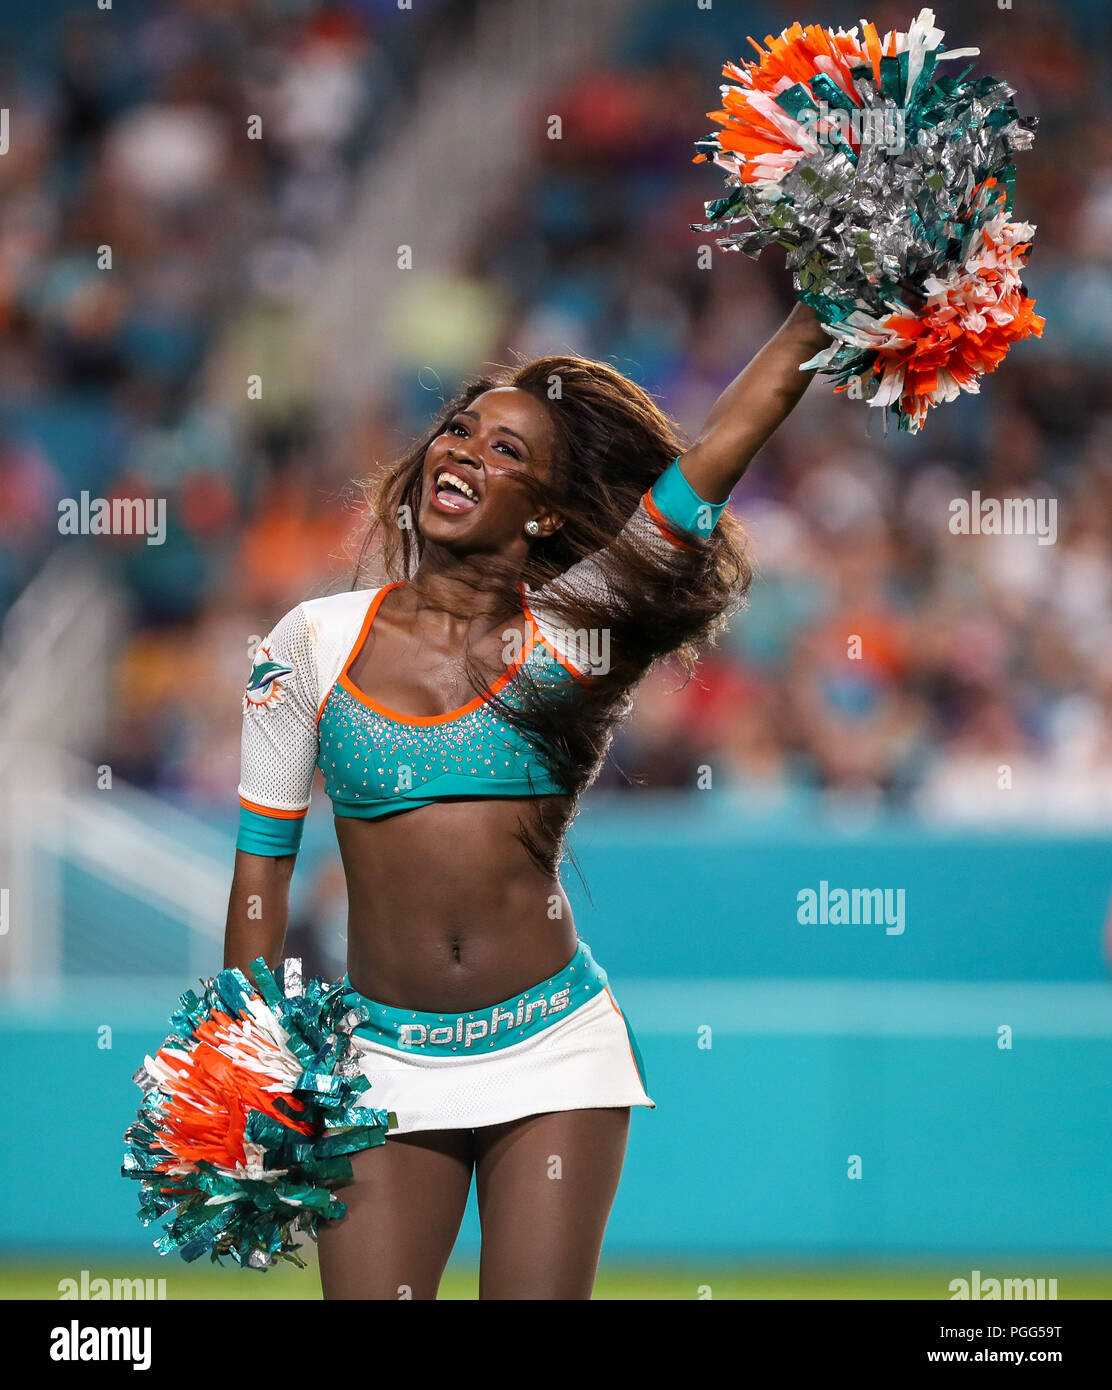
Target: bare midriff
[{"x": 447, "y": 909}]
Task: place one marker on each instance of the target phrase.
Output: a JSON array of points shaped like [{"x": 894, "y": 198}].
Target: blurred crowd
[
  {"x": 883, "y": 660},
  {"x": 174, "y": 176}
]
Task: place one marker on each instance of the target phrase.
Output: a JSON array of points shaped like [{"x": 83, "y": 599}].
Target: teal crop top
[
  {"x": 302, "y": 710},
  {"x": 377, "y": 762}
]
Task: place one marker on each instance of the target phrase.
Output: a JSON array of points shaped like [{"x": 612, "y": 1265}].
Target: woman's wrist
[{"x": 805, "y": 325}]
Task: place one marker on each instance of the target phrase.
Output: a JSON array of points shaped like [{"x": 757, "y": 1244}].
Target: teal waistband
[{"x": 478, "y": 1030}]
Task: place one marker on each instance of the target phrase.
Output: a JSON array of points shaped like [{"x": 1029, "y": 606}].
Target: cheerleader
[{"x": 545, "y": 543}]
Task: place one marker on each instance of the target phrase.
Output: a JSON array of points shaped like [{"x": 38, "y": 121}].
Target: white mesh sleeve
[{"x": 279, "y": 744}]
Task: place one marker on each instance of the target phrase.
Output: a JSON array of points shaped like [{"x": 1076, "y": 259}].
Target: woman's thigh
[
  {"x": 545, "y": 1186},
  {"x": 404, "y": 1207}
]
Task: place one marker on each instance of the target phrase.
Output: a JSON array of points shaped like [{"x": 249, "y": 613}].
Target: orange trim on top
[
  {"x": 662, "y": 525},
  {"x": 365, "y": 627},
  {"x": 270, "y": 811},
  {"x": 568, "y": 667},
  {"x": 539, "y": 636},
  {"x": 422, "y": 719}
]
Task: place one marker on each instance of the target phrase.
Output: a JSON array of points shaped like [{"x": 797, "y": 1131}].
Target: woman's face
[{"x": 473, "y": 497}]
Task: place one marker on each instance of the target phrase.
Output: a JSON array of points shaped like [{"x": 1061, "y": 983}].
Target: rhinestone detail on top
[{"x": 375, "y": 759}]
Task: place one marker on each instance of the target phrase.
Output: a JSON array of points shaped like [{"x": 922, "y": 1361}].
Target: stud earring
[{"x": 532, "y": 528}]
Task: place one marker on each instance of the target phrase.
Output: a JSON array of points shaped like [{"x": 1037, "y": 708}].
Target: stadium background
[{"x": 121, "y": 663}]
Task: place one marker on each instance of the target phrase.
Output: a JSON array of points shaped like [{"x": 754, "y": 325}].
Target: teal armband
[
  {"x": 270, "y": 835},
  {"x": 680, "y": 505}
]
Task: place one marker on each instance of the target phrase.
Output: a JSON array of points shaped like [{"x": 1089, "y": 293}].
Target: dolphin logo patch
[{"x": 264, "y": 685}]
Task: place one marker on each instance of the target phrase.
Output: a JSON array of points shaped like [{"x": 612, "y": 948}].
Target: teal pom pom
[
  {"x": 250, "y": 1110},
  {"x": 890, "y": 185}
]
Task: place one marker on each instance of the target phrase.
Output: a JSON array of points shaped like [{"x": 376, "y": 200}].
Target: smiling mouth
[{"x": 453, "y": 493}]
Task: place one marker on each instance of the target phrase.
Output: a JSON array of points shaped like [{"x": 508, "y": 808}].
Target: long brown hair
[{"x": 612, "y": 443}]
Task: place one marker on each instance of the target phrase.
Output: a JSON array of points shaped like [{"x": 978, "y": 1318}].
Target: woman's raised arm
[{"x": 752, "y": 406}]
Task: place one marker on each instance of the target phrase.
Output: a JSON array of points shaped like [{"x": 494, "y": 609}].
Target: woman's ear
[{"x": 549, "y": 523}]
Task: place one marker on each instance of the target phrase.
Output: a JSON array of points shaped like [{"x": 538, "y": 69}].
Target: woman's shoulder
[
  {"x": 334, "y": 625},
  {"x": 320, "y": 632},
  {"x": 337, "y": 608},
  {"x": 320, "y": 616}
]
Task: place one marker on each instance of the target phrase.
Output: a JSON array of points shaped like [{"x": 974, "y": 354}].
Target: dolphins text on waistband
[{"x": 467, "y": 1029}]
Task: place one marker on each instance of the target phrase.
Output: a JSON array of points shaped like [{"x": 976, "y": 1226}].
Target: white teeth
[{"x": 454, "y": 480}]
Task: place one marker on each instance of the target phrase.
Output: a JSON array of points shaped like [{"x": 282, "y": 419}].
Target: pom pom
[
  {"x": 249, "y": 1110},
  {"x": 891, "y": 186}
]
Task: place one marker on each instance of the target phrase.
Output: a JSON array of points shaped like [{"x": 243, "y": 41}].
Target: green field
[{"x": 40, "y": 1280}]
